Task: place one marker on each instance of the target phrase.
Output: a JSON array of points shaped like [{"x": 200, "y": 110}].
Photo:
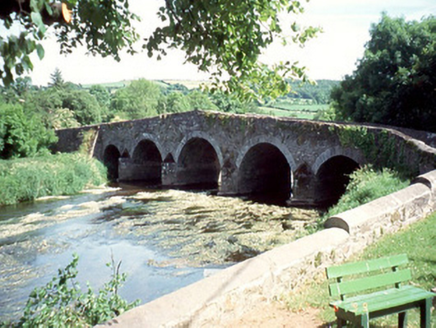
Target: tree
[
  {"x": 223, "y": 37},
  {"x": 228, "y": 103},
  {"x": 101, "y": 94},
  {"x": 22, "y": 133},
  {"x": 175, "y": 102},
  {"x": 84, "y": 106},
  {"x": 138, "y": 100},
  {"x": 57, "y": 81},
  {"x": 200, "y": 101},
  {"x": 395, "y": 81}
]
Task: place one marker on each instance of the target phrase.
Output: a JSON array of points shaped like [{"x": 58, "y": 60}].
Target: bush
[
  {"x": 61, "y": 303},
  {"x": 367, "y": 184},
  {"x": 61, "y": 174}
]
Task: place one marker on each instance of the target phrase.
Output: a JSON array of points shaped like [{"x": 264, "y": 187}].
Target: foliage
[
  {"x": 63, "y": 118},
  {"x": 57, "y": 81},
  {"x": 395, "y": 81},
  {"x": 230, "y": 104},
  {"x": 318, "y": 92},
  {"x": 223, "y": 37},
  {"x": 138, "y": 100},
  {"x": 61, "y": 303},
  {"x": 200, "y": 101},
  {"x": 85, "y": 107},
  {"x": 105, "y": 27},
  {"x": 101, "y": 94},
  {"x": 62, "y": 174},
  {"x": 65, "y": 105},
  {"x": 22, "y": 133},
  {"x": 175, "y": 102},
  {"x": 229, "y": 36},
  {"x": 367, "y": 184},
  {"x": 381, "y": 148}
]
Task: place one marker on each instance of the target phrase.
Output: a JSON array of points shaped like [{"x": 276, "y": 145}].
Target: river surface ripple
[{"x": 166, "y": 239}]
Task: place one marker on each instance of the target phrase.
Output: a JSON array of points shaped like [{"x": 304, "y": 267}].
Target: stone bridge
[{"x": 289, "y": 160}]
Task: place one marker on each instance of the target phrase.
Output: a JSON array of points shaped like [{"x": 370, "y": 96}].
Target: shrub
[
  {"x": 61, "y": 303},
  {"x": 367, "y": 184},
  {"x": 61, "y": 174}
]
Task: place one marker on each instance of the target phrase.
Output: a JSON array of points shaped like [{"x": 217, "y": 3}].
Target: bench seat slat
[
  {"x": 382, "y": 300},
  {"x": 372, "y": 282},
  {"x": 366, "y": 266}
]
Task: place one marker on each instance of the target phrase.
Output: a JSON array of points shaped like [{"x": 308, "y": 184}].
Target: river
[{"x": 166, "y": 239}]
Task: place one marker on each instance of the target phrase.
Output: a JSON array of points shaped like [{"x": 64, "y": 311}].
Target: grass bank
[
  {"x": 26, "y": 179},
  {"x": 418, "y": 241}
]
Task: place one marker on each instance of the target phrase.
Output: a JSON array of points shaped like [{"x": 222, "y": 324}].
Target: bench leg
[
  {"x": 341, "y": 322},
  {"x": 402, "y": 319},
  {"x": 364, "y": 321},
  {"x": 425, "y": 313}
]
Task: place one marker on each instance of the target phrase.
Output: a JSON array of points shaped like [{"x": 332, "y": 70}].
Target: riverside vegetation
[
  {"x": 25, "y": 179},
  {"x": 61, "y": 303}
]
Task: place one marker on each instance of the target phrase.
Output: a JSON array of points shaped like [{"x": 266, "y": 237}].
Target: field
[{"x": 305, "y": 111}]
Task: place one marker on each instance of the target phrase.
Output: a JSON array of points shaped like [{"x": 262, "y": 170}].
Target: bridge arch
[
  {"x": 111, "y": 157},
  {"x": 265, "y": 171},
  {"x": 199, "y": 135},
  {"x": 333, "y": 168},
  {"x": 265, "y": 139},
  {"x": 199, "y": 160},
  {"x": 147, "y": 161}
]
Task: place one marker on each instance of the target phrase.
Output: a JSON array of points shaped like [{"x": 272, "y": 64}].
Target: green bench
[{"x": 371, "y": 289}]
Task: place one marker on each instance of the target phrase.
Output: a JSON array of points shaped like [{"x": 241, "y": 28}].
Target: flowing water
[{"x": 166, "y": 239}]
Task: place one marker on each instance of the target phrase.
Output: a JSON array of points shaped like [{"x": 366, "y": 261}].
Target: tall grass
[
  {"x": 62, "y": 174},
  {"x": 367, "y": 184}
]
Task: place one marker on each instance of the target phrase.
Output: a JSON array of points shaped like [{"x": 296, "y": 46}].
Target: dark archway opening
[
  {"x": 332, "y": 179},
  {"x": 198, "y": 165},
  {"x": 110, "y": 160},
  {"x": 265, "y": 175},
  {"x": 147, "y": 163},
  {"x": 169, "y": 159}
]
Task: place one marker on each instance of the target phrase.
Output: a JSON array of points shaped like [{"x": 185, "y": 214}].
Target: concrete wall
[{"x": 232, "y": 291}]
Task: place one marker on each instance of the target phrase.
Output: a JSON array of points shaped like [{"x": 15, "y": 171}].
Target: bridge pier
[
  {"x": 169, "y": 174},
  {"x": 148, "y": 172}
]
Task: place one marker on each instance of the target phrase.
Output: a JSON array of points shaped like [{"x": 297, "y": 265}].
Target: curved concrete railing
[{"x": 230, "y": 292}]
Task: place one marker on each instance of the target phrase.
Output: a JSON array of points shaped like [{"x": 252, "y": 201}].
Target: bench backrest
[{"x": 371, "y": 275}]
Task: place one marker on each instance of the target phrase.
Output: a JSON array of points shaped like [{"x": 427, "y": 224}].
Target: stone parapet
[{"x": 397, "y": 209}]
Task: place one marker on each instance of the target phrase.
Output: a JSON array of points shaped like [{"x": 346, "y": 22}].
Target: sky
[{"x": 332, "y": 55}]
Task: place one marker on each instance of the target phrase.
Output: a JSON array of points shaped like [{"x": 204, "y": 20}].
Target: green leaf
[
  {"x": 40, "y": 50},
  {"x": 37, "y": 20}
]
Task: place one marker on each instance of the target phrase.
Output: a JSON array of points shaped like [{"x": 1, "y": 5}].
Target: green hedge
[{"x": 62, "y": 174}]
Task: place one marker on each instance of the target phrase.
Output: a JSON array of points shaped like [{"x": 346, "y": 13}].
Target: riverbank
[{"x": 25, "y": 179}]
